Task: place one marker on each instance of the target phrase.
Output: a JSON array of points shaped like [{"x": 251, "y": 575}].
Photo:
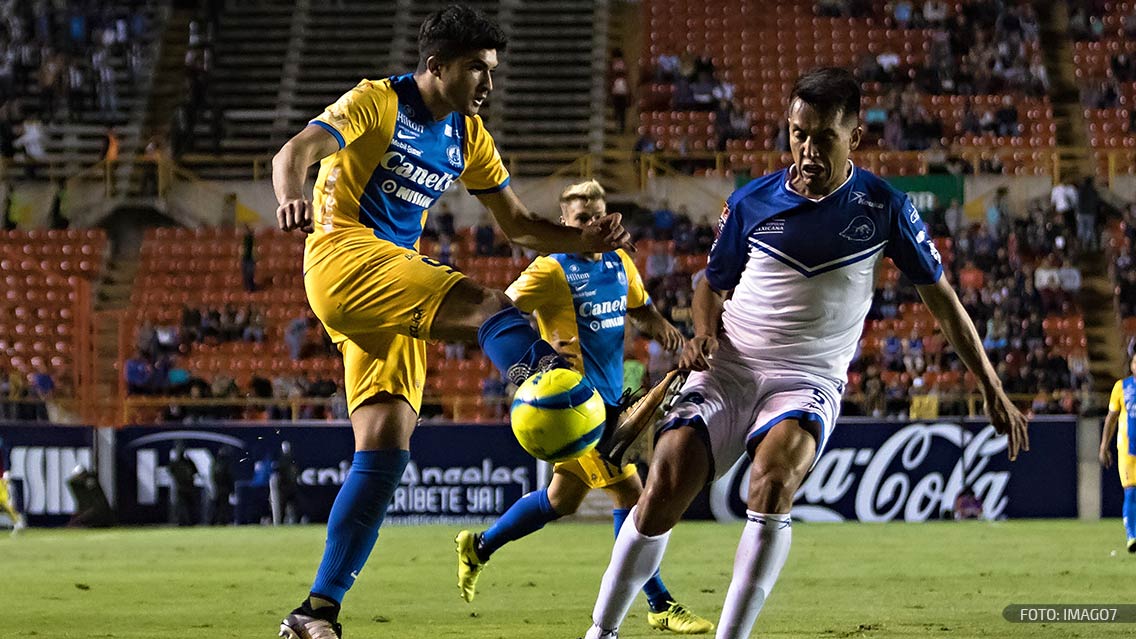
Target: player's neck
[
  {"x": 439, "y": 107},
  {"x": 797, "y": 183}
]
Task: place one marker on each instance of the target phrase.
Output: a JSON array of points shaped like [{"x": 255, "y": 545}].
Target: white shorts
[{"x": 733, "y": 405}]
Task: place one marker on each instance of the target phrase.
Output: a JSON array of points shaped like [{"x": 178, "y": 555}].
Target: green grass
[{"x": 842, "y": 580}]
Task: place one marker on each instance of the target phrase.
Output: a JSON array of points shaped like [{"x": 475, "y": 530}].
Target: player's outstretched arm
[
  {"x": 290, "y": 169},
  {"x": 1110, "y": 422},
  {"x": 706, "y": 310},
  {"x": 651, "y": 323},
  {"x": 524, "y": 228},
  {"x": 944, "y": 304}
]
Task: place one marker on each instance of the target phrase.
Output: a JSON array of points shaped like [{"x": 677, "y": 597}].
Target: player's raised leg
[
  {"x": 382, "y": 426},
  {"x": 471, "y": 312},
  {"x": 781, "y": 461},
  {"x": 680, "y": 467}
]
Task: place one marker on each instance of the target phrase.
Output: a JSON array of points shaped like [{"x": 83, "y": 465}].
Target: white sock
[
  {"x": 762, "y": 552},
  {"x": 634, "y": 559}
]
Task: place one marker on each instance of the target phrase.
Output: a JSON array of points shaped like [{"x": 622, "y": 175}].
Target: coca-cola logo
[{"x": 913, "y": 475}]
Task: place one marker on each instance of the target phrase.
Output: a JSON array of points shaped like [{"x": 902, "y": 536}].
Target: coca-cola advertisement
[{"x": 913, "y": 471}]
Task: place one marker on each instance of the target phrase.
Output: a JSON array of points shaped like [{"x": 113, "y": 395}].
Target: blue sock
[
  {"x": 658, "y": 597},
  {"x": 525, "y": 517},
  {"x": 1130, "y": 511},
  {"x": 356, "y": 515},
  {"x": 514, "y": 347}
]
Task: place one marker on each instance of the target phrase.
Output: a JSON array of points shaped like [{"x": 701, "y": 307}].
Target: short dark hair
[
  {"x": 828, "y": 89},
  {"x": 456, "y": 31}
]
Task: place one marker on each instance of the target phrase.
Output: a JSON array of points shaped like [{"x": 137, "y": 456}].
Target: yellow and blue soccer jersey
[
  {"x": 1123, "y": 401},
  {"x": 365, "y": 280},
  {"x": 395, "y": 159},
  {"x": 577, "y": 297}
]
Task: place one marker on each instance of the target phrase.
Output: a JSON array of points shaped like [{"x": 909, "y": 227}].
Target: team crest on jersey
[
  {"x": 860, "y": 229},
  {"x": 454, "y": 155},
  {"x": 622, "y": 278}
]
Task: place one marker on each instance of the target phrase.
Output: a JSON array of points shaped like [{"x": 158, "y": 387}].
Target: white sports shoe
[
  {"x": 18, "y": 525},
  {"x": 595, "y": 632}
]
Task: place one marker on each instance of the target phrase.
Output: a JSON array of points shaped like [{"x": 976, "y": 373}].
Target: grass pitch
[{"x": 842, "y": 580}]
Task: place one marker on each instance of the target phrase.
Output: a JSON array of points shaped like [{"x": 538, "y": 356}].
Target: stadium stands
[
  {"x": 754, "y": 50},
  {"x": 1104, "y": 67}
]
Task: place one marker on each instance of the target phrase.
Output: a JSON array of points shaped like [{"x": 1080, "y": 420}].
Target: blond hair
[{"x": 589, "y": 191}]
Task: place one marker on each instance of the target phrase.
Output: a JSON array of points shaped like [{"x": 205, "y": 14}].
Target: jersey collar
[
  {"x": 407, "y": 90},
  {"x": 788, "y": 184}
]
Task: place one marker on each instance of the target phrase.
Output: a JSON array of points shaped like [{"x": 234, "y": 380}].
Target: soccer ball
[{"x": 557, "y": 416}]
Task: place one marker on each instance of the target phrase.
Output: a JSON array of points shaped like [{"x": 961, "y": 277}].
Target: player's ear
[
  {"x": 434, "y": 66},
  {"x": 854, "y": 139}
]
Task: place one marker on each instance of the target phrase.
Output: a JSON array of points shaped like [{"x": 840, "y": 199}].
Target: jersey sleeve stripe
[
  {"x": 496, "y": 189},
  {"x": 332, "y": 130}
]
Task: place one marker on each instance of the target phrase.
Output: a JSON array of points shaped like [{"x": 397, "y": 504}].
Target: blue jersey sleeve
[
  {"x": 911, "y": 248},
  {"x": 729, "y": 252}
]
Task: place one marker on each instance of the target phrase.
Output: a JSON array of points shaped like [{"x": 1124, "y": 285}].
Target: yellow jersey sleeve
[
  {"x": 484, "y": 171},
  {"x": 636, "y": 293},
  {"x": 1116, "y": 400},
  {"x": 539, "y": 286},
  {"x": 358, "y": 111}
]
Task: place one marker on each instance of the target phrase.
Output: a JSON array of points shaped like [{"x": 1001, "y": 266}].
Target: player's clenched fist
[
  {"x": 696, "y": 356},
  {"x": 606, "y": 234},
  {"x": 295, "y": 213}
]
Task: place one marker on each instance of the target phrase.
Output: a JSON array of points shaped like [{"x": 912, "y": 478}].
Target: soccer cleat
[
  {"x": 635, "y": 419},
  {"x": 1132, "y": 545},
  {"x": 301, "y": 626},
  {"x": 469, "y": 564},
  {"x": 595, "y": 632},
  {"x": 677, "y": 619},
  {"x": 18, "y": 525}
]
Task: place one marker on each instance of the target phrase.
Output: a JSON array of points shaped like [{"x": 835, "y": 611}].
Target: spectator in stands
[
  {"x": 1063, "y": 197},
  {"x": 106, "y": 87},
  {"x": 485, "y": 237},
  {"x": 494, "y": 393},
  {"x": 953, "y": 217},
  {"x": 1088, "y": 209},
  {"x": 32, "y": 141},
  {"x": 254, "y": 331},
  {"x": 138, "y": 374},
  {"x": 1048, "y": 283},
  {"x": 296, "y": 336},
  {"x": 660, "y": 264},
  {"x": 1070, "y": 278},
  {"x": 248, "y": 259},
  {"x": 446, "y": 249},
  {"x": 664, "y": 221},
  {"x": 1007, "y": 118},
  {"x": 934, "y": 13},
  {"x": 1123, "y": 67},
  {"x": 1126, "y": 293},
  {"x": 903, "y": 13},
  {"x": 619, "y": 89}
]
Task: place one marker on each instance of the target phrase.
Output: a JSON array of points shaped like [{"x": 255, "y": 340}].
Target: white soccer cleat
[
  {"x": 18, "y": 525},
  {"x": 595, "y": 632}
]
